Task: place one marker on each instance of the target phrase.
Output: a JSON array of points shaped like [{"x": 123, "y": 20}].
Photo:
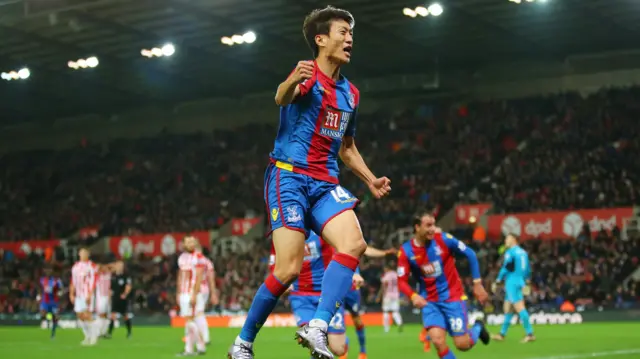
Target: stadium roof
[{"x": 45, "y": 34}]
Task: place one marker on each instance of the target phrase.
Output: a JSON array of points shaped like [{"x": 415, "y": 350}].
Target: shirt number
[
  {"x": 340, "y": 195},
  {"x": 456, "y": 324}
]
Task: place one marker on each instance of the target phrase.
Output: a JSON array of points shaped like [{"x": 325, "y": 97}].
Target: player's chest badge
[
  {"x": 352, "y": 100},
  {"x": 438, "y": 251}
]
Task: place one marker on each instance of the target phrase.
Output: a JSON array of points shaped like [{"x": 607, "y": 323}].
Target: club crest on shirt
[
  {"x": 438, "y": 250},
  {"x": 352, "y": 100},
  {"x": 293, "y": 215}
]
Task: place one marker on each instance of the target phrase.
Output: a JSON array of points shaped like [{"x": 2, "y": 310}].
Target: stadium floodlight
[
  {"x": 422, "y": 11},
  {"x": 237, "y": 39},
  {"x": 22, "y": 74},
  {"x": 409, "y": 12},
  {"x": 226, "y": 40},
  {"x": 249, "y": 37},
  {"x": 515, "y": 1},
  {"x": 168, "y": 50},
  {"x": 89, "y": 62},
  {"x": 435, "y": 9}
]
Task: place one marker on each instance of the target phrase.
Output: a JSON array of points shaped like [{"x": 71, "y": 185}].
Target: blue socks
[
  {"x": 54, "y": 326},
  {"x": 263, "y": 304},
  {"x": 336, "y": 283},
  {"x": 524, "y": 318},
  {"x": 475, "y": 332},
  {"x": 361, "y": 339},
  {"x": 506, "y": 324}
]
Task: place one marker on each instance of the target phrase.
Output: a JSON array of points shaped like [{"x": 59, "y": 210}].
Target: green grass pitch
[{"x": 602, "y": 340}]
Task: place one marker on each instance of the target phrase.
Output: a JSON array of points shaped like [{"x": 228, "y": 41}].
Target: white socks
[
  {"x": 397, "y": 317},
  {"x": 203, "y": 327},
  {"x": 386, "y": 321},
  {"x": 192, "y": 335}
]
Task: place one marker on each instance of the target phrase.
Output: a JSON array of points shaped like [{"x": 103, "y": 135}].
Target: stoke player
[
  {"x": 429, "y": 258},
  {"x": 318, "y": 109},
  {"x": 103, "y": 293},
  {"x": 209, "y": 293},
  {"x": 353, "y": 299},
  {"x": 191, "y": 272},
  {"x": 81, "y": 294},
  {"x": 50, "y": 288},
  {"x": 515, "y": 273},
  {"x": 390, "y": 299}
]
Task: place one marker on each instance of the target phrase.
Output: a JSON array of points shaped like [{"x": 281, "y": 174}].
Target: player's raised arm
[{"x": 294, "y": 85}]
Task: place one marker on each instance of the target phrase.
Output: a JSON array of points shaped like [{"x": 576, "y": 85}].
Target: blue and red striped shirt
[
  {"x": 50, "y": 288},
  {"x": 312, "y": 127},
  {"x": 433, "y": 266},
  {"x": 317, "y": 256}
]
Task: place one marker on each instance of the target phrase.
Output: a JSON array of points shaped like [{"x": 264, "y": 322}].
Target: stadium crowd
[{"x": 563, "y": 151}]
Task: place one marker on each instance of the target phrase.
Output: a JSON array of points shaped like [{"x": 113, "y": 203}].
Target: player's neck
[{"x": 328, "y": 67}]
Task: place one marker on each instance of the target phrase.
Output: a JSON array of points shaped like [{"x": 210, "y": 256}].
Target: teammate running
[
  {"x": 429, "y": 258},
  {"x": 81, "y": 290},
  {"x": 103, "y": 294},
  {"x": 191, "y": 272},
  {"x": 302, "y": 192},
  {"x": 390, "y": 299},
  {"x": 50, "y": 287},
  {"x": 516, "y": 270}
]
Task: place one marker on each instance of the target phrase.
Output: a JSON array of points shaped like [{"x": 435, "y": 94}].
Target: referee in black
[{"x": 121, "y": 297}]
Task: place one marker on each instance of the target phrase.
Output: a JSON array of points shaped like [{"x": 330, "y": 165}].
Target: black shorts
[{"x": 120, "y": 306}]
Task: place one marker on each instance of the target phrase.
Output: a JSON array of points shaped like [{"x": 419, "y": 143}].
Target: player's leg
[
  {"x": 352, "y": 305},
  {"x": 79, "y": 307},
  {"x": 386, "y": 319},
  {"x": 338, "y": 341},
  {"x": 54, "y": 311},
  {"x": 201, "y": 321},
  {"x": 92, "y": 324},
  {"x": 114, "y": 316},
  {"x": 126, "y": 313},
  {"x": 507, "y": 309},
  {"x": 187, "y": 311},
  {"x": 286, "y": 200},
  {"x": 456, "y": 319},
  {"x": 434, "y": 320},
  {"x": 521, "y": 309},
  {"x": 333, "y": 217},
  {"x": 395, "y": 313}
]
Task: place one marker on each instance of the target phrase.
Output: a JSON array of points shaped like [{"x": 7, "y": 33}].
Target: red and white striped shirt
[
  {"x": 208, "y": 273},
  {"x": 103, "y": 288},
  {"x": 83, "y": 278},
  {"x": 390, "y": 282},
  {"x": 188, "y": 264}
]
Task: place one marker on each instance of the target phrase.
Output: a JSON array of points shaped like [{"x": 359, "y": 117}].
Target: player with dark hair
[
  {"x": 318, "y": 108},
  {"x": 429, "y": 258},
  {"x": 50, "y": 288}
]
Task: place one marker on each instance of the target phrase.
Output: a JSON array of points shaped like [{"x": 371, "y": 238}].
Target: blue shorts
[
  {"x": 513, "y": 293},
  {"x": 304, "y": 307},
  {"x": 451, "y": 316},
  {"x": 352, "y": 302},
  {"x": 301, "y": 203},
  {"x": 49, "y": 308}
]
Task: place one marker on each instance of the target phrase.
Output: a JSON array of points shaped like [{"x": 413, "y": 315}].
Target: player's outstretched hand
[
  {"x": 358, "y": 281},
  {"x": 303, "y": 71},
  {"x": 418, "y": 301},
  {"x": 480, "y": 293},
  {"x": 391, "y": 251},
  {"x": 380, "y": 187},
  {"x": 214, "y": 298}
]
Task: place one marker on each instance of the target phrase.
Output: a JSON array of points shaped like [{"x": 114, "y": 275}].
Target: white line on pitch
[{"x": 592, "y": 355}]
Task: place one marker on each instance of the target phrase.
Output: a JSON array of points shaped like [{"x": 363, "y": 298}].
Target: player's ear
[{"x": 321, "y": 40}]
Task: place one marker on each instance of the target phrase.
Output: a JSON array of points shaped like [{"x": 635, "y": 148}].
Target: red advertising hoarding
[
  {"x": 157, "y": 244},
  {"x": 557, "y": 224},
  {"x": 23, "y": 248},
  {"x": 466, "y": 211}
]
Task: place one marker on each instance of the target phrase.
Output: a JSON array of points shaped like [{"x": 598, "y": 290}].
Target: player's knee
[
  {"x": 287, "y": 272},
  {"x": 438, "y": 340},
  {"x": 357, "y": 320},
  {"x": 519, "y": 306},
  {"x": 338, "y": 346},
  {"x": 462, "y": 343}
]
